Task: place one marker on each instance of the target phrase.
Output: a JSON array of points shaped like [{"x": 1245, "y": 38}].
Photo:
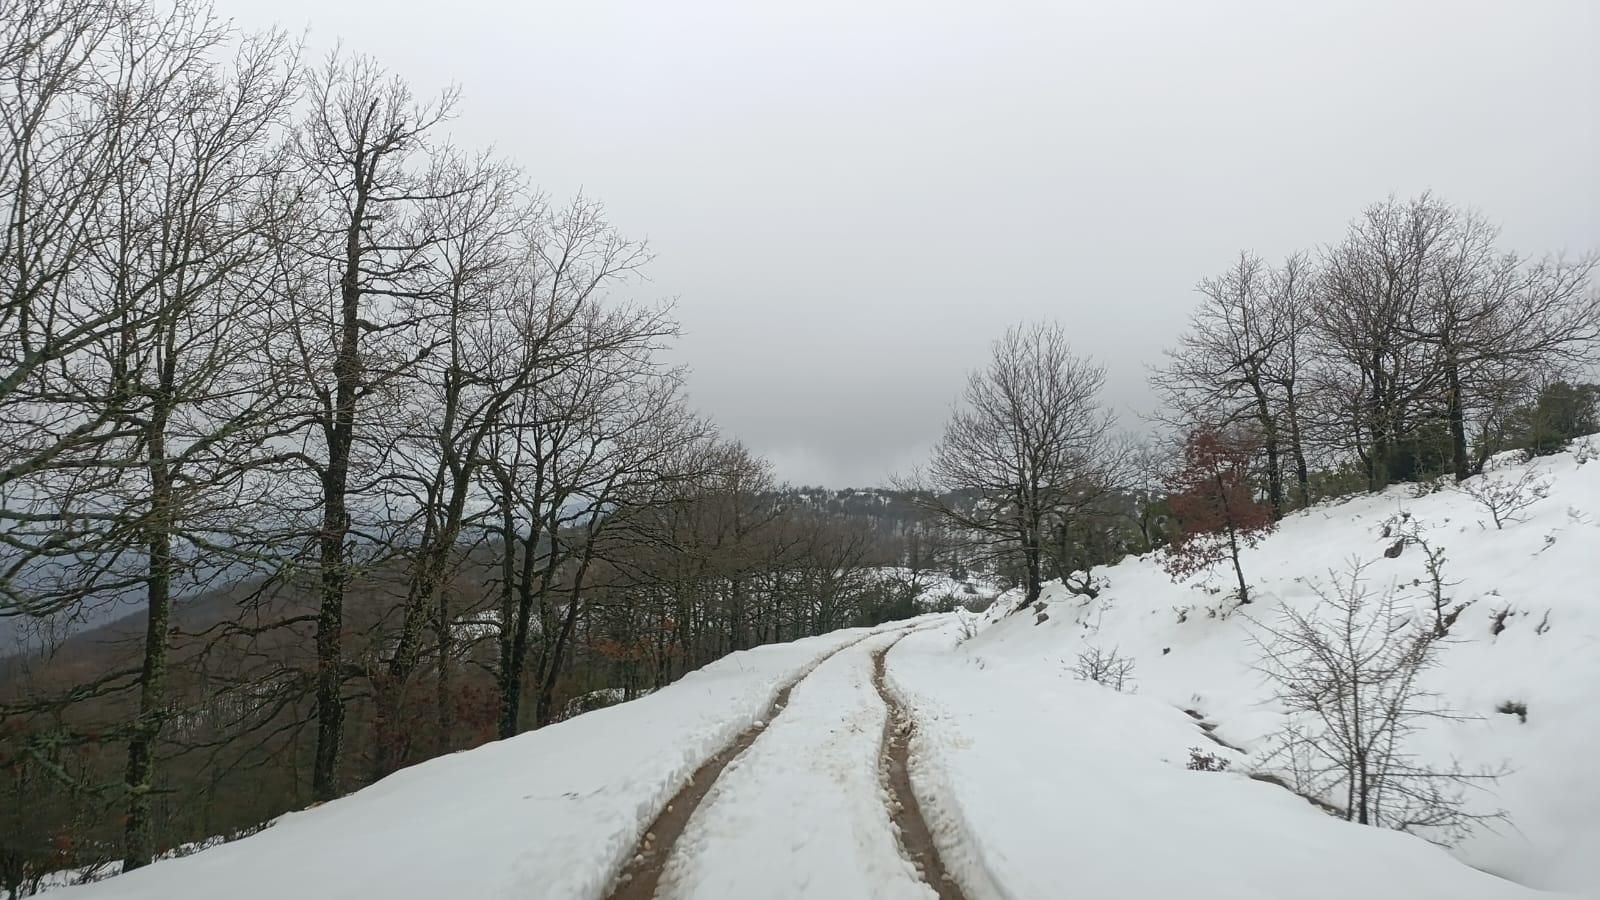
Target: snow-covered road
[
  {"x": 801, "y": 814},
  {"x": 550, "y": 814},
  {"x": 1034, "y": 785}
]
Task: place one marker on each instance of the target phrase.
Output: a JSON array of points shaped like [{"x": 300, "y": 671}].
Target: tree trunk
[
  {"x": 444, "y": 690},
  {"x": 1269, "y": 432},
  {"x": 389, "y": 691},
  {"x": 1459, "y": 458},
  {"x": 513, "y": 617},
  {"x": 1233, "y": 541},
  {"x": 1238, "y": 570},
  {"x": 545, "y": 706},
  {"x": 1302, "y": 476},
  {"x": 1033, "y": 568},
  {"x": 330, "y": 670},
  {"x": 340, "y": 436},
  {"x": 138, "y": 831}
]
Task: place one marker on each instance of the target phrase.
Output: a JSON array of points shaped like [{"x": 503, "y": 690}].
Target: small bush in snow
[
  {"x": 1201, "y": 761},
  {"x": 1497, "y": 620},
  {"x": 1505, "y": 497},
  {"x": 1428, "y": 486},
  {"x": 1106, "y": 668},
  {"x": 1348, "y": 672},
  {"x": 969, "y": 624},
  {"x": 1444, "y": 614}
]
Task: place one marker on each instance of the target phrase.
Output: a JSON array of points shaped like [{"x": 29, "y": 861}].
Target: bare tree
[
  {"x": 1382, "y": 384},
  {"x": 1488, "y": 313},
  {"x": 1423, "y": 321},
  {"x": 144, "y": 351},
  {"x": 1505, "y": 497},
  {"x": 1028, "y": 444},
  {"x": 1349, "y": 672},
  {"x": 1236, "y": 362},
  {"x": 366, "y": 247},
  {"x": 189, "y": 379},
  {"x": 458, "y": 394},
  {"x": 545, "y": 459}
]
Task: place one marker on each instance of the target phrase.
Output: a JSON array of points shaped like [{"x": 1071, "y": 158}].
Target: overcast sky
[{"x": 849, "y": 200}]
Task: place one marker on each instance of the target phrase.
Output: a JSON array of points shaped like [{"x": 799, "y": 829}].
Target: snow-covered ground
[
  {"x": 1038, "y": 785},
  {"x": 801, "y": 814},
  {"x": 549, "y": 814},
  {"x": 1041, "y": 787},
  {"x": 1191, "y": 649}
]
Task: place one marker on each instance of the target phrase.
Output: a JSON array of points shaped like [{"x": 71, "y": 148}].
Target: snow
[
  {"x": 1544, "y": 568},
  {"x": 801, "y": 813},
  {"x": 1037, "y": 785},
  {"x": 548, "y": 814}
]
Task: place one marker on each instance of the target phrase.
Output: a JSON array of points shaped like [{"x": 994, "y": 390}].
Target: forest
[{"x": 328, "y": 446}]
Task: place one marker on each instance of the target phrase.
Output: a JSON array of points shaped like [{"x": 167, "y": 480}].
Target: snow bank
[
  {"x": 1193, "y": 651},
  {"x": 547, "y": 815},
  {"x": 1040, "y": 787}
]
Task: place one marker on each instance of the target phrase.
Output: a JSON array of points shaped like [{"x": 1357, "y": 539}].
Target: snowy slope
[
  {"x": 1546, "y": 569},
  {"x": 546, "y": 815},
  {"x": 1037, "y": 786},
  {"x": 1046, "y": 787}
]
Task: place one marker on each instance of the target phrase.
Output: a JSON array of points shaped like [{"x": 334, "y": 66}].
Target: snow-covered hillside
[
  {"x": 1190, "y": 651},
  {"x": 1034, "y": 785}
]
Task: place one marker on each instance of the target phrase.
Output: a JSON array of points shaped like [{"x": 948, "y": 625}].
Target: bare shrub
[
  {"x": 1201, "y": 761},
  {"x": 969, "y": 624},
  {"x": 1504, "y": 497},
  {"x": 1348, "y": 672},
  {"x": 1105, "y": 668},
  {"x": 1444, "y": 614}
]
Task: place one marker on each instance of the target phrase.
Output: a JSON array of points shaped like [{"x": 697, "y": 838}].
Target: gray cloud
[{"x": 851, "y": 199}]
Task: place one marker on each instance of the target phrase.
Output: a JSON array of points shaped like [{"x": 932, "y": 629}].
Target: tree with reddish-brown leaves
[{"x": 1215, "y": 503}]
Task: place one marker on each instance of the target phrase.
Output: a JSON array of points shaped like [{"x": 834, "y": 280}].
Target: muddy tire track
[
  {"x": 911, "y": 829},
  {"x": 641, "y": 874}
]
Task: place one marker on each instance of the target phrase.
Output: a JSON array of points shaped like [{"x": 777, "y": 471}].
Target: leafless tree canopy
[
  {"x": 362, "y": 428},
  {"x": 1030, "y": 445},
  {"x": 1402, "y": 349}
]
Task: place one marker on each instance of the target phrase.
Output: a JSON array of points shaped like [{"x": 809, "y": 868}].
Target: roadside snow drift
[{"x": 547, "y": 815}]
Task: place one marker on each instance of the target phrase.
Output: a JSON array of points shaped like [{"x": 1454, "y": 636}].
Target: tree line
[{"x": 1413, "y": 348}]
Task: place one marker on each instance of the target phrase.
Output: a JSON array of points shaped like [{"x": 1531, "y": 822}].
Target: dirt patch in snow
[
  {"x": 915, "y": 838},
  {"x": 642, "y": 872}
]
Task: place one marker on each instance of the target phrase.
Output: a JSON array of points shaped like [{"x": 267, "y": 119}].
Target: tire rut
[
  {"x": 641, "y": 874},
  {"x": 911, "y": 829}
]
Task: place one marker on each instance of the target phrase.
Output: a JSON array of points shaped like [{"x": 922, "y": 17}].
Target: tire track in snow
[
  {"x": 641, "y": 874},
  {"x": 911, "y": 829}
]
